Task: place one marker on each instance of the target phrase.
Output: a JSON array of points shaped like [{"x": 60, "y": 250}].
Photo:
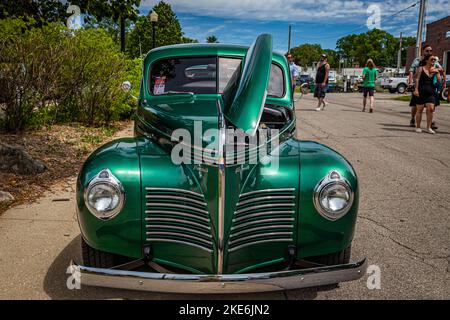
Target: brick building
[{"x": 438, "y": 36}]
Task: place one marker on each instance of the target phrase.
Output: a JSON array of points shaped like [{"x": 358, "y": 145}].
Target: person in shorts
[
  {"x": 427, "y": 50},
  {"x": 323, "y": 71},
  {"x": 425, "y": 91},
  {"x": 370, "y": 75}
]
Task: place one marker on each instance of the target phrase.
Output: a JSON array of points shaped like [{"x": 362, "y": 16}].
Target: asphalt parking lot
[{"x": 403, "y": 225}]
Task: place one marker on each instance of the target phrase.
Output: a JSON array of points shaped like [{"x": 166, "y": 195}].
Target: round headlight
[
  {"x": 333, "y": 196},
  {"x": 104, "y": 196}
]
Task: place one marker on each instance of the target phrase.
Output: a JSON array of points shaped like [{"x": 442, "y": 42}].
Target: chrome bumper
[{"x": 231, "y": 283}]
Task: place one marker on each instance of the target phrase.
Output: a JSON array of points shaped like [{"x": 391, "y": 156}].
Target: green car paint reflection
[{"x": 218, "y": 217}]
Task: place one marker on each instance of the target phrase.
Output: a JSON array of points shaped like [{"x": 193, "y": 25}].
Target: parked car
[
  {"x": 304, "y": 78},
  {"x": 217, "y": 221},
  {"x": 444, "y": 93},
  {"x": 396, "y": 84}
]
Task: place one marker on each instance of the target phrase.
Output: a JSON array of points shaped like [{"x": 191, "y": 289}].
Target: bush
[
  {"x": 53, "y": 75},
  {"x": 29, "y": 61}
]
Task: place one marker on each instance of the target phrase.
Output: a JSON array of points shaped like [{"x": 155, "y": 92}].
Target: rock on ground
[
  {"x": 5, "y": 196},
  {"x": 17, "y": 160}
]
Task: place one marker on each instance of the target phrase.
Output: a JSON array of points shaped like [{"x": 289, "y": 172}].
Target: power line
[{"x": 363, "y": 25}]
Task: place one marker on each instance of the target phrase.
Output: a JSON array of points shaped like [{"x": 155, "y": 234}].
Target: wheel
[
  {"x": 444, "y": 94},
  {"x": 99, "y": 259},
  {"x": 401, "y": 88},
  {"x": 341, "y": 257},
  {"x": 304, "y": 88}
]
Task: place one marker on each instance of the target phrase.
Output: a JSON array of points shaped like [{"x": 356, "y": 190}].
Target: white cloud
[
  {"x": 300, "y": 10},
  {"x": 216, "y": 28}
]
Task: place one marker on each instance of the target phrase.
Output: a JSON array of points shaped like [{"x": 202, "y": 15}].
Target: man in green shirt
[{"x": 370, "y": 74}]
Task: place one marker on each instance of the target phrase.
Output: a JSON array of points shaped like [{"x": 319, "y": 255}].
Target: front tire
[{"x": 99, "y": 259}]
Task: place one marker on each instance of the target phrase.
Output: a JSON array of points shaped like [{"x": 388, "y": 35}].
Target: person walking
[
  {"x": 370, "y": 75},
  {"x": 425, "y": 90},
  {"x": 427, "y": 50},
  {"x": 323, "y": 71},
  {"x": 293, "y": 68}
]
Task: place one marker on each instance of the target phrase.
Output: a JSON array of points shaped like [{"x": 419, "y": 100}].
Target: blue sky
[{"x": 313, "y": 21}]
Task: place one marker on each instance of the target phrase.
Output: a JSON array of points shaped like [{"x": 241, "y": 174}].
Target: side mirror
[{"x": 126, "y": 86}]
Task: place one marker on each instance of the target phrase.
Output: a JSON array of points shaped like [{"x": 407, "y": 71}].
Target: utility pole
[
  {"x": 423, "y": 4},
  {"x": 399, "y": 56},
  {"x": 289, "y": 39}
]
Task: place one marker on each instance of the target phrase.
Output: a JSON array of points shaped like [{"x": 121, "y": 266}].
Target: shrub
[
  {"x": 53, "y": 75},
  {"x": 29, "y": 61}
]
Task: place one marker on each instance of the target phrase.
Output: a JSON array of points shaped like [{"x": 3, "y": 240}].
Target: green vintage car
[{"x": 214, "y": 193}]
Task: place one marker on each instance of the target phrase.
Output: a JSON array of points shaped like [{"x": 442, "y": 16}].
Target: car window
[
  {"x": 229, "y": 66},
  {"x": 191, "y": 74},
  {"x": 276, "y": 82},
  {"x": 199, "y": 75}
]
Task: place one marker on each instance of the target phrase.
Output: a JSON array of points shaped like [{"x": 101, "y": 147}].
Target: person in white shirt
[{"x": 294, "y": 69}]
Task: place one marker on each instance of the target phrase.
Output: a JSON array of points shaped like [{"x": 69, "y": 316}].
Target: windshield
[{"x": 199, "y": 75}]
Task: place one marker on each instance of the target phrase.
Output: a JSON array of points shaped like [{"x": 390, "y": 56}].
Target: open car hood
[{"x": 248, "y": 103}]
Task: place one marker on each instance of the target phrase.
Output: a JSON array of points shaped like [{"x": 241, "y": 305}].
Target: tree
[
  {"x": 108, "y": 24},
  {"x": 42, "y": 11},
  {"x": 188, "y": 40},
  {"x": 375, "y": 44},
  {"x": 212, "y": 39},
  {"x": 168, "y": 31},
  {"x": 306, "y": 54},
  {"x": 118, "y": 10}
]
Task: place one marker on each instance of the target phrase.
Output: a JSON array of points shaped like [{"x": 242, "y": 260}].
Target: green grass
[{"x": 407, "y": 98}]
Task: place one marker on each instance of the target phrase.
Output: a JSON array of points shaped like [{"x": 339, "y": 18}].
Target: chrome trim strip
[
  {"x": 172, "y": 205},
  {"x": 269, "y": 234},
  {"x": 162, "y": 233},
  {"x": 243, "y": 225},
  {"x": 228, "y": 283},
  {"x": 286, "y": 226},
  {"x": 267, "y": 190},
  {"x": 270, "y": 205},
  {"x": 266, "y": 198},
  {"x": 174, "y": 190},
  {"x": 154, "y": 196},
  {"x": 258, "y": 242},
  {"x": 180, "y": 221},
  {"x": 179, "y": 241},
  {"x": 262, "y": 214},
  {"x": 221, "y": 188},
  {"x": 177, "y": 213},
  {"x": 168, "y": 226}
]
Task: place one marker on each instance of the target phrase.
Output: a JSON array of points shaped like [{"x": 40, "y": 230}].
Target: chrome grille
[
  {"x": 177, "y": 216},
  {"x": 263, "y": 216}
]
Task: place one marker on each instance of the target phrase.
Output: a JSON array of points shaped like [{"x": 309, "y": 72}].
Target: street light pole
[
  {"x": 154, "y": 20},
  {"x": 154, "y": 34}
]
